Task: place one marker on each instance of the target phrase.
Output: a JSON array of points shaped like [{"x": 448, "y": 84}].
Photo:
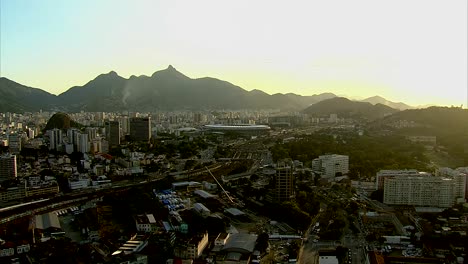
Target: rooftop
[{"x": 242, "y": 243}]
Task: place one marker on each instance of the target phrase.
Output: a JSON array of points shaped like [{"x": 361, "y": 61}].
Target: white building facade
[
  {"x": 329, "y": 166},
  {"x": 424, "y": 190}
]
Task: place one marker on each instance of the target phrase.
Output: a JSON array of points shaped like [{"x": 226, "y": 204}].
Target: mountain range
[{"x": 167, "y": 89}]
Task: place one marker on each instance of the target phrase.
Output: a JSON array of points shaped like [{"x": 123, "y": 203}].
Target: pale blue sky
[{"x": 413, "y": 51}]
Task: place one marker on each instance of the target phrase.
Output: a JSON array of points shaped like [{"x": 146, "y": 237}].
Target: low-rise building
[
  {"x": 201, "y": 209},
  {"x": 146, "y": 223},
  {"x": 191, "y": 248},
  {"x": 136, "y": 244}
]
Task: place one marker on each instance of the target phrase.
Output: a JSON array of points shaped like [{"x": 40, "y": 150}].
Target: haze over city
[{"x": 410, "y": 51}]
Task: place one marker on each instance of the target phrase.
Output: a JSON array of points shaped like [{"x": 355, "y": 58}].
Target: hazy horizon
[{"x": 412, "y": 52}]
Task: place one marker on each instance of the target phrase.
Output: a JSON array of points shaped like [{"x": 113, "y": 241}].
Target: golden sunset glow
[{"x": 411, "y": 51}]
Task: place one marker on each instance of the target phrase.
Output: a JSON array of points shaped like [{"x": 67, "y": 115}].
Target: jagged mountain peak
[{"x": 169, "y": 72}]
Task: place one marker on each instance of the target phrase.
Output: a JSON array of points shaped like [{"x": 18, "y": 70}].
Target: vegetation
[
  {"x": 367, "y": 154},
  {"x": 448, "y": 124},
  {"x": 349, "y": 109},
  {"x": 61, "y": 121}
]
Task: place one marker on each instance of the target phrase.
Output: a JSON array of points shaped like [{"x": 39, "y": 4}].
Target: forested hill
[
  {"x": 349, "y": 109},
  {"x": 453, "y": 119},
  {"x": 448, "y": 124}
]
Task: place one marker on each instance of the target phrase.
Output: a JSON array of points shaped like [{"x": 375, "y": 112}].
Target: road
[
  {"x": 307, "y": 253},
  {"x": 356, "y": 245}
]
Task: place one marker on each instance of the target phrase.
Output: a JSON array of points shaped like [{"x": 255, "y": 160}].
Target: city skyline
[{"x": 414, "y": 52}]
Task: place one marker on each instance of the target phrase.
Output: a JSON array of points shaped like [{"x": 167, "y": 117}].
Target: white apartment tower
[
  {"x": 55, "y": 138},
  {"x": 92, "y": 132},
  {"x": 459, "y": 180},
  {"x": 83, "y": 143},
  {"x": 329, "y": 166},
  {"x": 383, "y": 174},
  {"x": 423, "y": 190}
]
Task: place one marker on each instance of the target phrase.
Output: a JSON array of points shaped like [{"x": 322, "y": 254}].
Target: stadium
[{"x": 242, "y": 129}]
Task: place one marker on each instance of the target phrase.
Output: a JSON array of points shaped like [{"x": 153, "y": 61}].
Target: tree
[
  {"x": 377, "y": 195},
  {"x": 262, "y": 242},
  {"x": 316, "y": 179}
]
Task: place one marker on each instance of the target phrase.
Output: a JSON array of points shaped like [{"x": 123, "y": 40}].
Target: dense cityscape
[
  {"x": 229, "y": 187},
  {"x": 233, "y": 132}
]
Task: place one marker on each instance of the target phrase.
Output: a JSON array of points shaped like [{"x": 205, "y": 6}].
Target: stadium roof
[{"x": 236, "y": 127}]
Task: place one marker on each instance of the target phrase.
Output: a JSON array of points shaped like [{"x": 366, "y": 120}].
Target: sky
[{"x": 413, "y": 51}]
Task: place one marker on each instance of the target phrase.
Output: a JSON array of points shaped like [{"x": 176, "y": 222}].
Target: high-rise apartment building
[
  {"x": 383, "y": 174},
  {"x": 73, "y": 137},
  {"x": 92, "y": 132},
  {"x": 8, "y": 169},
  {"x": 140, "y": 128},
  {"x": 459, "y": 180},
  {"x": 113, "y": 133},
  {"x": 55, "y": 138},
  {"x": 83, "y": 143},
  {"x": 31, "y": 133},
  {"x": 14, "y": 143},
  {"x": 284, "y": 182},
  {"x": 329, "y": 166},
  {"x": 124, "y": 125},
  {"x": 424, "y": 190}
]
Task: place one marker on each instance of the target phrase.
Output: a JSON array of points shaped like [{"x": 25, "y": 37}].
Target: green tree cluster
[{"x": 367, "y": 154}]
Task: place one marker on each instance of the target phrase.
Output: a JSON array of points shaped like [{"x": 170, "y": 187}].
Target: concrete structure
[
  {"x": 283, "y": 182},
  {"x": 140, "y": 129},
  {"x": 203, "y": 194},
  {"x": 201, "y": 209},
  {"x": 459, "y": 180},
  {"x": 136, "y": 244},
  {"x": 8, "y": 170},
  {"x": 383, "y": 174},
  {"x": 124, "y": 125},
  {"x": 146, "y": 223},
  {"x": 192, "y": 248},
  {"x": 240, "y": 243},
  {"x": 73, "y": 137},
  {"x": 243, "y": 129},
  {"x": 113, "y": 133},
  {"x": 80, "y": 182},
  {"x": 46, "y": 221},
  {"x": 464, "y": 170},
  {"x": 14, "y": 143},
  {"x": 329, "y": 166},
  {"x": 55, "y": 138},
  {"x": 222, "y": 239},
  {"x": 83, "y": 143},
  {"x": 431, "y": 140},
  {"x": 92, "y": 132},
  {"x": 424, "y": 190},
  {"x": 327, "y": 259}
]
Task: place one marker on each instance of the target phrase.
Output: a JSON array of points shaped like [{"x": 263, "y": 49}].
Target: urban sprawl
[{"x": 225, "y": 187}]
